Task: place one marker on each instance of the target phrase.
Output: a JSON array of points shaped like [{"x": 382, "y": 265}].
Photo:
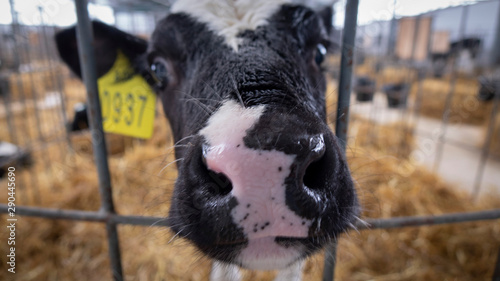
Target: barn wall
[
  {"x": 413, "y": 38},
  {"x": 481, "y": 22}
]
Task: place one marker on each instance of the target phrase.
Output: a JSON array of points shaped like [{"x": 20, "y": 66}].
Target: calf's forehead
[{"x": 228, "y": 18}]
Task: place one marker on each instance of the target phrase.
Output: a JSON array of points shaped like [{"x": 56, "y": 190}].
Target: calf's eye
[
  {"x": 320, "y": 54},
  {"x": 159, "y": 70}
]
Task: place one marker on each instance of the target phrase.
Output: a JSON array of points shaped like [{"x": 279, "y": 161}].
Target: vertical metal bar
[
  {"x": 346, "y": 67},
  {"x": 496, "y": 46},
  {"x": 88, "y": 65},
  {"x": 415, "y": 37},
  {"x": 330, "y": 260},
  {"x": 422, "y": 75},
  {"x": 8, "y": 112},
  {"x": 410, "y": 66},
  {"x": 15, "y": 27},
  {"x": 451, "y": 93},
  {"x": 487, "y": 143},
  {"x": 392, "y": 33},
  {"x": 16, "y": 31},
  {"x": 34, "y": 94},
  {"x": 342, "y": 122},
  {"x": 496, "y": 273},
  {"x": 418, "y": 99},
  {"x": 55, "y": 80}
]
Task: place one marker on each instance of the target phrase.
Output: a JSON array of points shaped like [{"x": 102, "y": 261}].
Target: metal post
[
  {"x": 346, "y": 67},
  {"x": 496, "y": 273},
  {"x": 451, "y": 93},
  {"x": 496, "y": 46},
  {"x": 487, "y": 143},
  {"x": 88, "y": 66}
]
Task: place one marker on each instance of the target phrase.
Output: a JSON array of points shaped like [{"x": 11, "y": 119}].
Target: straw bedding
[
  {"x": 495, "y": 137},
  {"x": 143, "y": 178},
  {"x": 37, "y": 81},
  {"x": 394, "y": 139},
  {"x": 465, "y": 107}
]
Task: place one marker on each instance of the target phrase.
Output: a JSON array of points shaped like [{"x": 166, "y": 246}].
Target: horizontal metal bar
[
  {"x": 396, "y": 222},
  {"x": 91, "y": 216}
]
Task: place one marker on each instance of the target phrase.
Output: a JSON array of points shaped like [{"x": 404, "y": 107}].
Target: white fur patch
[
  {"x": 231, "y": 119},
  {"x": 291, "y": 273},
  {"x": 224, "y": 272},
  {"x": 227, "y": 18},
  {"x": 258, "y": 183}
]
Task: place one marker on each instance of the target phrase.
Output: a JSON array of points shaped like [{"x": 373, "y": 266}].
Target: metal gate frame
[{"x": 111, "y": 219}]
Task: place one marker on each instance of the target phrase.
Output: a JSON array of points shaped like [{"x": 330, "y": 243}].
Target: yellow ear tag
[{"x": 127, "y": 101}]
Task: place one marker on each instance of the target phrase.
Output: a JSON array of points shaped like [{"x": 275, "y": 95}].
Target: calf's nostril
[
  {"x": 220, "y": 184},
  {"x": 313, "y": 176},
  {"x": 313, "y": 172}
]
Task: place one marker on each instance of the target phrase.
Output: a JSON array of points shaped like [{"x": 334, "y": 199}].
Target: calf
[{"x": 262, "y": 181}]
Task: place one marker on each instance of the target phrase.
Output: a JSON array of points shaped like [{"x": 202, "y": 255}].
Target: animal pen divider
[{"x": 111, "y": 219}]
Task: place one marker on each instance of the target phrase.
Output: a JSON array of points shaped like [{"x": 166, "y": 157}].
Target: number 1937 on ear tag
[{"x": 127, "y": 102}]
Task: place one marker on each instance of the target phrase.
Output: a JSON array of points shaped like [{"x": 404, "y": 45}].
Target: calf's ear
[
  {"x": 326, "y": 15},
  {"x": 107, "y": 41}
]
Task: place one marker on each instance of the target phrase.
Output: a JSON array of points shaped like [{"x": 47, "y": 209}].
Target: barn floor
[{"x": 461, "y": 151}]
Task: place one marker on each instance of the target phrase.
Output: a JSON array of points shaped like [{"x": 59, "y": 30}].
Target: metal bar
[
  {"x": 34, "y": 89},
  {"x": 391, "y": 46},
  {"x": 451, "y": 93},
  {"x": 346, "y": 67},
  {"x": 35, "y": 97},
  {"x": 27, "y": 140},
  {"x": 55, "y": 79},
  {"x": 368, "y": 224},
  {"x": 329, "y": 263},
  {"x": 496, "y": 273},
  {"x": 409, "y": 65},
  {"x": 16, "y": 31},
  {"x": 90, "y": 216},
  {"x": 9, "y": 116},
  {"x": 88, "y": 65},
  {"x": 342, "y": 122},
  {"x": 418, "y": 99},
  {"x": 399, "y": 222},
  {"x": 496, "y": 46},
  {"x": 487, "y": 143}
]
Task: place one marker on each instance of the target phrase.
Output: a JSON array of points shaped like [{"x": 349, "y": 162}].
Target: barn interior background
[{"x": 423, "y": 139}]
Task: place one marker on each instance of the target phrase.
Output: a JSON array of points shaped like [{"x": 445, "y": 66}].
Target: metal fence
[
  {"x": 111, "y": 219},
  {"x": 31, "y": 89}
]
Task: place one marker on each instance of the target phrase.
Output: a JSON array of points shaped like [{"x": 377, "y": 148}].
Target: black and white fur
[{"x": 242, "y": 87}]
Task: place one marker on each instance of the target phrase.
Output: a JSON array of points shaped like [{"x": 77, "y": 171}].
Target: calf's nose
[{"x": 269, "y": 184}]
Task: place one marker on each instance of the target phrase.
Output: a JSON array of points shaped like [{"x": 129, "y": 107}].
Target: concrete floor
[{"x": 460, "y": 161}]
